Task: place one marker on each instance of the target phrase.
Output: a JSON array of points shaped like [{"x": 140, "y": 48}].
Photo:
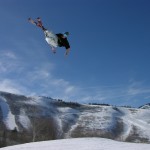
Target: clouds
[
  {"x": 6, "y": 59},
  {"x": 23, "y": 77},
  {"x": 8, "y": 54},
  {"x": 138, "y": 88},
  {"x": 7, "y": 85},
  {"x": 133, "y": 93}
]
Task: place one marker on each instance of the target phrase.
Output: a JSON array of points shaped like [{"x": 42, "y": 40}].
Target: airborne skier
[{"x": 54, "y": 40}]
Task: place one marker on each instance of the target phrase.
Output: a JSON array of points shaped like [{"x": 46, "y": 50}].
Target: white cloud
[
  {"x": 39, "y": 73},
  {"x": 8, "y": 54},
  {"x": 25, "y": 77},
  {"x": 69, "y": 89},
  {"x": 136, "y": 88},
  {"x": 9, "y": 86},
  {"x": 8, "y": 61},
  {"x": 2, "y": 67}
]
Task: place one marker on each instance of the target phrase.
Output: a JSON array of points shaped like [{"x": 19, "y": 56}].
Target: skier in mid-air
[{"x": 54, "y": 40}]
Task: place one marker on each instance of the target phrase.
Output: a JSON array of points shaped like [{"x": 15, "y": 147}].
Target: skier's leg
[
  {"x": 53, "y": 49},
  {"x": 40, "y": 24},
  {"x": 51, "y": 38},
  {"x": 67, "y": 51},
  {"x": 32, "y": 21}
]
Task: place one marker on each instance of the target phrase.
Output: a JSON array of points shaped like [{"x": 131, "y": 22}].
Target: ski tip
[{"x": 38, "y": 18}]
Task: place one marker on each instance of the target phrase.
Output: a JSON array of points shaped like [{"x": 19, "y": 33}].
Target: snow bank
[{"x": 80, "y": 144}]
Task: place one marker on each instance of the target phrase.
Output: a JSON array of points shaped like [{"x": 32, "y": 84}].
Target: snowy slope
[
  {"x": 94, "y": 119},
  {"x": 136, "y": 120},
  {"x": 8, "y": 117},
  {"x": 146, "y": 106},
  {"x": 124, "y": 124},
  {"x": 80, "y": 144}
]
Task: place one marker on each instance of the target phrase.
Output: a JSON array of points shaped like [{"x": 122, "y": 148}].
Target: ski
[{"x": 31, "y": 21}]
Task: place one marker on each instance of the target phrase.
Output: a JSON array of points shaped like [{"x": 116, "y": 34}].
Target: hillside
[{"x": 28, "y": 119}]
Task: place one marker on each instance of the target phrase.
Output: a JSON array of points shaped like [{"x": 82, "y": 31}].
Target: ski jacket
[{"x": 62, "y": 41}]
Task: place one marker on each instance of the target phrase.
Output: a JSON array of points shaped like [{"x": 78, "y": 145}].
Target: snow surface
[
  {"x": 8, "y": 117},
  {"x": 132, "y": 117},
  {"x": 95, "y": 118},
  {"x": 24, "y": 120},
  {"x": 37, "y": 101},
  {"x": 65, "y": 115},
  {"x": 80, "y": 144}
]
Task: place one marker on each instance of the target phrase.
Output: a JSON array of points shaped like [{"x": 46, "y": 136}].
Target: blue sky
[{"x": 109, "y": 58}]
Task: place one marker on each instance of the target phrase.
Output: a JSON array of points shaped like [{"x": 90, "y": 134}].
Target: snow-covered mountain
[
  {"x": 25, "y": 119},
  {"x": 146, "y": 106}
]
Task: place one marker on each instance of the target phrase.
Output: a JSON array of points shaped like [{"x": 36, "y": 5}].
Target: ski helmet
[{"x": 66, "y": 34}]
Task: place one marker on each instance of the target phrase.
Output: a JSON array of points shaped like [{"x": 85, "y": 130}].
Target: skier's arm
[
  {"x": 67, "y": 46},
  {"x": 67, "y": 51}
]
